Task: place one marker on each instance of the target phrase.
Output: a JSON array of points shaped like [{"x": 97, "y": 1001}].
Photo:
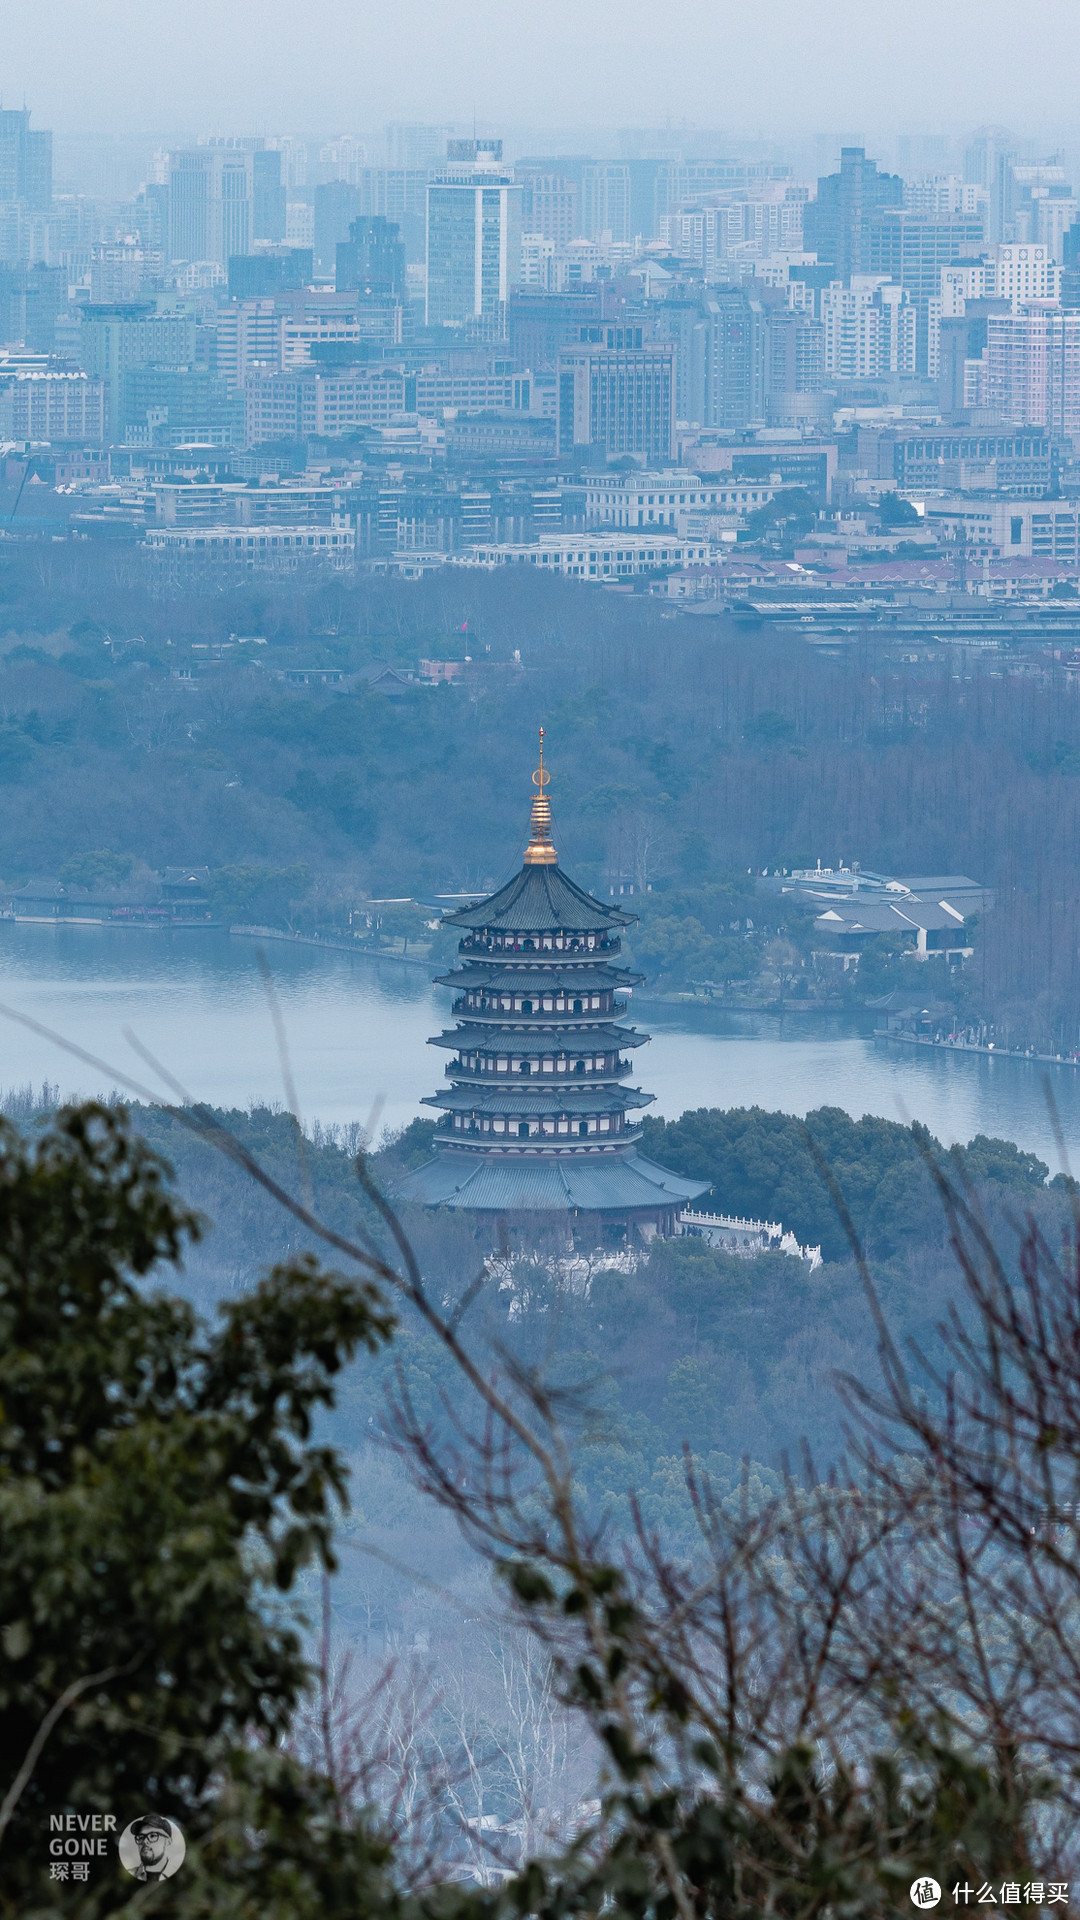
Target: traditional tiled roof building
[{"x": 537, "y": 1118}]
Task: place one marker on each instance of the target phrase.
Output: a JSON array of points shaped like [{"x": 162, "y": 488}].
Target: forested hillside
[{"x": 684, "y": 751}]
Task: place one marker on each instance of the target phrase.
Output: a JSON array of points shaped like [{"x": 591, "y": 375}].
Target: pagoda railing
[
  {"x": 501, "y": 1016},
  {"x": 572, "y": 947},
  {"x": 557, "y": 1076}
]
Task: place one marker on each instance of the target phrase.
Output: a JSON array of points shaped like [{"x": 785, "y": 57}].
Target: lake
[{"x": 357, "y": 1026}]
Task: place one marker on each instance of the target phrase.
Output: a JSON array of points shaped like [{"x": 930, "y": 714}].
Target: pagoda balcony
[
  {"x": 552, "y": 947},
  {"x": 502, "y": 1017},
  {"x": 491, "y": 1074},
  {"x": 557, "y": 1136}
]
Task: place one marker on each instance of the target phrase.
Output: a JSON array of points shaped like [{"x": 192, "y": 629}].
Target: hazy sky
[{"x": 771, "y": 66}]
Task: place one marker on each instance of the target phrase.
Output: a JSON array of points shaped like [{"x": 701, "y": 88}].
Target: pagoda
[{"x": 537, "y": 1118}]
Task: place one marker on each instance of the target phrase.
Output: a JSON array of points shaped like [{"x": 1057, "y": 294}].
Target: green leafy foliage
[
  {"x": 895, "y": 511},
  {"x": 259, "y": 896},
  {"x": 761, "y": 1165},
  {"x": 100, "y": 869},
  {"x": 159, "y": 1484}
]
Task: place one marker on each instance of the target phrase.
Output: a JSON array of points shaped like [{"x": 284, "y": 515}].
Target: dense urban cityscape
[{"x": 410, "y": 350}]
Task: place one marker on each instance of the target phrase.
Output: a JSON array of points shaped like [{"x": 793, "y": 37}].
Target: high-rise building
[
  {"x": 211, "y": 196},
  {"x": 869, "y": 329},
  {"x": 606, "y": 200},
  {"x": 410, "y": 144},
  {"x": 550, "y": 205},
  {"x": 268, "y": 195},
  {"x": 616, "y": 395},
  {"x": 836, "y": 224},
  {"x": 114, "y": 339},
  {"x": 795, "y": 367},
  {"x": 911, "y": 249},
  {"x": 371, "y": 261},
  {"x": 728, "y": 378},
  {"x": 271, "y": 270},
  {"x": 337, "y": 205},
  {"x": 249, "y": 339},
  {"x": 962, "y": 355},
  {"x": 473, "y": 238},
  {"x": 398, "y": 194},
  {"x": 30, "y": 301},
  {"x": 1033, "y": 369},
  {"x": 1020, "y": 273},
  {"x": 25, "y": 161}
]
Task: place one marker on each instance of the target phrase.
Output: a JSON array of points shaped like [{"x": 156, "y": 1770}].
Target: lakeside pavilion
[{"x": 537, "y": 1120}]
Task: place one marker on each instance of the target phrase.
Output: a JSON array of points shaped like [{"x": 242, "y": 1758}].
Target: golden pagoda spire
[{"x": 540, "y": 852}]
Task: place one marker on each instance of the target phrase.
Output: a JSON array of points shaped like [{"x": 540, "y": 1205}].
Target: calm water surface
[{"x": 357, "y": 1030}]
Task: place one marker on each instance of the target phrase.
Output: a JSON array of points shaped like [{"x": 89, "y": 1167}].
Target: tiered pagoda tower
[{"x": 537, "y": 1118}]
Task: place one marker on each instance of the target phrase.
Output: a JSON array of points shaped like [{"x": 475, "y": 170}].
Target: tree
[
  {"x": 793, "y": 508},
  {"x": 98, "y": 869},
  {"x": 260, "y": 896},
  {"x": 403, "y": 920},
  {"x": 159, "y": 1486},
  {"x": 895, "y": 511}
]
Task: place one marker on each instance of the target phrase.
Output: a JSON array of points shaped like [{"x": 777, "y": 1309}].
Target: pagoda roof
[
  {"x": 532, "y": 1040},
  {"x": 522, "y": 1099},
  {"x": 546, "y": 1183},
  {"x": 504, "y": 980},
  {"x": 540, "y": 899}
]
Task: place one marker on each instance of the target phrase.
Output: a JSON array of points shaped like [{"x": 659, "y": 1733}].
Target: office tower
[
  {"x": 550, "y": 204},
  {"x": 165, "y": 406},
  {"x": 337, "y": 204},
  {"x": 983, "y": 154},
  {"x": 114, "y": 339},
  {"x": 616, "y": 396},
  {"x": 371, "y": 261},
  {"x": 835, "y": 225},
  {"x": 988, "y": 160},
  {"x": 271, "y": 270},
  {"x": 606, "y": 200},
  {"x": 911, "y": 249},
  {"x": 211, "y": 191},
  {"x": 151, "y": 218},
  {"x": 410, "y": 144},
  {"x": 398, "y": 194},
  {"x": 267, "y": 195},
  {"x": 249, "y": 339},
  {"x": 921, "y": 153},
  {"x": 30, "y": 300},
  {"x": 728, "y": 380},
  {"x": 541, "y": 326},
  {"x": 473, "y": 238},
  {"x": 345, "y": 155},
  {"x": 679, "y": 321},
  {"x": 25, "y": 161},
  {"x": 962, "y": 355}
]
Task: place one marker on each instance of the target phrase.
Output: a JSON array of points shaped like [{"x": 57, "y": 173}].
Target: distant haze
[{"x": 771, "y": 67}]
